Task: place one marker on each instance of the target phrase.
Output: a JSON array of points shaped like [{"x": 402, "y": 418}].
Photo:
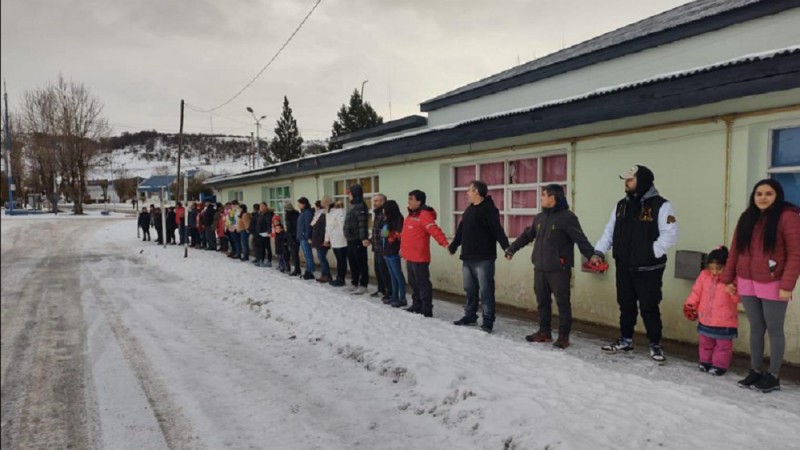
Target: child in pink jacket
[{"x": 715, "y": 310}]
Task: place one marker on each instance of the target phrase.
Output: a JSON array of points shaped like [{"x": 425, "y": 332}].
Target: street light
[
  {"x": 258, "y": 131},
  {"x": 362, "y": 90}
]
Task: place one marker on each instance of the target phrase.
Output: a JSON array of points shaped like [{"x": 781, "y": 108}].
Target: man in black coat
[
  {"x": 478, "y": 234},
  {"x": 291, "y": 230},
  {"x": 144, "y": 224},
  {"x": 356, "y": 224},
  {"x": 556, "y": 230},
  {"x": 208, "y": 223},
  {"x": 376, "y": 241}
]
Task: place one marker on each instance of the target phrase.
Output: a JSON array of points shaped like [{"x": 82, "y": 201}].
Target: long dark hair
[
  {"x": 751, "y": 216},
  {"x": 394, "y": 218}
]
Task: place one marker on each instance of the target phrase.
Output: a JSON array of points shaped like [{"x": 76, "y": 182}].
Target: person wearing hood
[
  {"x": 415, "y": 247},
  {"x": 291, "y": 231},
  {"x": 641, "y": 230},
  {"x": 478, "y": 234},
  {"x": 356, "y": 231},
  {"x": 376, "y": 242},
  {"x": 556, "y": 230}
]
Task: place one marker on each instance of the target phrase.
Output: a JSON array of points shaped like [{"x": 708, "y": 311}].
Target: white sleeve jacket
[{"x": 667, "y": 232}]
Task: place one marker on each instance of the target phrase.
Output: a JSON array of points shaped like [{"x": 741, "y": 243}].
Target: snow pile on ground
[{"x": 502, "y": 393}]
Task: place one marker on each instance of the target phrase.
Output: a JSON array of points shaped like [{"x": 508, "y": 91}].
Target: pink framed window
[
  {"x": 461, "y": 200},
  {"x": 523, "y": 171},
  {"x": 464, "y": 175},
  {"x": 554, "y": 168},
  {"x": 493, "y": 173},
  {"x": 524, "y": 199},
  {"x": 498, "y": 198},
  {"x": 517, "y": 224}
]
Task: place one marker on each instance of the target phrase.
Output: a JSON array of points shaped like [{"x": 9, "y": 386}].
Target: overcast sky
[{"x": 141, "y": 57}]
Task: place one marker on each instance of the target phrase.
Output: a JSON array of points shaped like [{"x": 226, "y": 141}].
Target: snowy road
[{"x": 108, "y": 342}]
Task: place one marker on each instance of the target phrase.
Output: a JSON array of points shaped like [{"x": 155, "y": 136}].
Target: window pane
[
  {"x": 554, "y": 168},
  {"x": 464, "y": 175},
  {"x": 492, "y": 173},
  {"x": 524, "y": 199},
  {"x": 497, "y": 196},
  {"x": 786, "y": 147},
  {"x": 351, "y": 182},
  {"x": 366, "y": 184},
  {"x": 523, "y": 171},
  {"x": 461, "y": 200},
  {"x": 517, "y": 224},
  {"x": 456, "y": 221},
  {"x": 286, "y": 193},
  {"x": 377, "y": 183},
  {"x": 791, "y": 186},
  {"x": 338, "y": 187}
]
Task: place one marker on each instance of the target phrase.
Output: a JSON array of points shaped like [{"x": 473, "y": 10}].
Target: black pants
[
  {"x": 182, "y": 233},
  {"x": 419, "y": 277},
  {"x": 642, "y": 290},
  {"x": 159, "y": 232},
  {"x": 341, "y": 263},
  {"x": 259, "y": 248},
  {"x": 294, "y": 253},
  {"x": 211, "y": 238},
  {"x": 359, "y": 268},
  {"x": 268, "y": 248},
  {"x": 382, "y": 273},
  {"x": 546, "y": 285},
  {"x": 146, "y": 233}
]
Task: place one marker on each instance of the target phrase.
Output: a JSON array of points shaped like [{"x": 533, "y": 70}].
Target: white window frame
[
  {"x": 508, "y": 209},
  {"x": 235, "y": 195},
  {"x": 266, "y": 195},
  {"x": 367, "y": 195},
  {"x": 770, "y": 168}
]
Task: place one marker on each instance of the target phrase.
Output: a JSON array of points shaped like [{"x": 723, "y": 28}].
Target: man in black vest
[{"x": 641, "y": 230}]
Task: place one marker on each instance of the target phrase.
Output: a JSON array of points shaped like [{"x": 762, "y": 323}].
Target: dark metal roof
[
  {"x": 685, "y": 21},
  {"x": 389, "y": 127},
  {"x": 154, "y": 183},
  {"x": 749, "y": 75}
]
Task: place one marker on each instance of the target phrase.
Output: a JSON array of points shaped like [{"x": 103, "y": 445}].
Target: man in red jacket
[{"x": 415, "y": 248}]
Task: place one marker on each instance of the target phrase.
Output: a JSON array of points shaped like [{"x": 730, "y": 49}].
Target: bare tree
[{"x": 65, "y": 128}]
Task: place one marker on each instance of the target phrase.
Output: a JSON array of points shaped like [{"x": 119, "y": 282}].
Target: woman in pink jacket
[
  {"x": 763, "y": 268},
  {"x": 715, "y": 310}
]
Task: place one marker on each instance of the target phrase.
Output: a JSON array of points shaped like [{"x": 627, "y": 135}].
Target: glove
[
  {"x": 595, "y": 267},
  {"x": 690, "y": 312}
]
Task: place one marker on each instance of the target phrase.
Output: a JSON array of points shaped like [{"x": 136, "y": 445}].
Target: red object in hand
[
  {"x": 599, "y": 267},
  {"x": 689, "y": 312}
]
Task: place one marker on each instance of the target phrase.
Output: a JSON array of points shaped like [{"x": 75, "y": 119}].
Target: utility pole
[
  {"x": 180, "y": 149},
  {"x": 6, "y": 126}
]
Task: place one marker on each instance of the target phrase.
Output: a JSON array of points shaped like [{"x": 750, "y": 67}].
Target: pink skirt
[{"x": 763, "y": 290}]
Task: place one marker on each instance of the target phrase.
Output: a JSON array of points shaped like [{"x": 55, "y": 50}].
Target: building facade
[{"x": 708, "y": 121}]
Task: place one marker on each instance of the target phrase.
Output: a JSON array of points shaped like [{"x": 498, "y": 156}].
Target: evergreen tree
[
  {"x": 356, "y": 116},
  {"x": 287, "y": 144}
]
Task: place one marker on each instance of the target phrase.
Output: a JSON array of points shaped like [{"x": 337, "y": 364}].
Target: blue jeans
[
  {"x": 396, "y": 274},
  {"x": 235, "y": 242},
  {"x": 479, "y": 279},
  {"x": 325, "y": 268},
  {"x": 306, "y": 247},
  {"x": 245, "y": 251}
]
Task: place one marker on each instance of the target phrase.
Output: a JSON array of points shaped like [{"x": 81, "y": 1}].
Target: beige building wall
[{"x": 689, "y": 162}]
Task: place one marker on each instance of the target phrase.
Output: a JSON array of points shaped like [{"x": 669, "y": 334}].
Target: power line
[{"x": 200, "y": 110}]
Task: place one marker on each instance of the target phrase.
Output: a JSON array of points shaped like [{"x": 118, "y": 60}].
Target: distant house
[{"x": 150, "y": 188}]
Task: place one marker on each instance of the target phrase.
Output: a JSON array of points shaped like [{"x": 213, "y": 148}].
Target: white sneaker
[
  {"x": 351, "y": 289},
  {"x": 361, "y": 290}
]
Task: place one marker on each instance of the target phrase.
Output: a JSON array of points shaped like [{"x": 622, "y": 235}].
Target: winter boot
[
  {"x": 540, "y": 336},
  {"x": 398, "y": 303},
  {"x": 752, "y": 378},
  {"x": 466, "y": 321},
  {"x": 657, "y": 353},
  {"x": 704, "y": 367},
  {"x": 620, "y": 345},
  {"x": 562, "y": 342},
  {"x": 717, "y": 371},
  {"x": 768, "y": 383}
]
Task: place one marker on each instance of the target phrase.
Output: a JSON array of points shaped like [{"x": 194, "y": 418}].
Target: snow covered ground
[{"x": 208, "y": 352}]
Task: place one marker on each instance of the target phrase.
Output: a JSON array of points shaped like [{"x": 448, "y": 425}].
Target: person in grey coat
[{"x": 555, "y": 230}]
